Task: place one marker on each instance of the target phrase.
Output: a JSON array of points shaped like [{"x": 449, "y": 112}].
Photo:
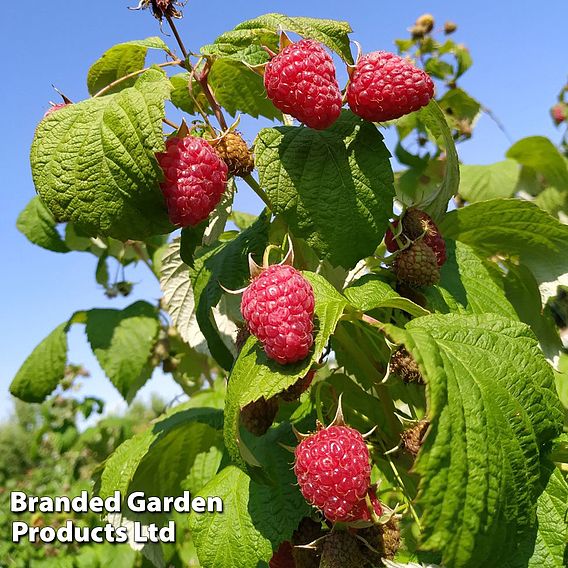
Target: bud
[
  {"x": 450, "y": 28},
  {"x": 426, "y": 21},
  {"x": 559, "y": 113},
  {"x": 161, "y": 8}
]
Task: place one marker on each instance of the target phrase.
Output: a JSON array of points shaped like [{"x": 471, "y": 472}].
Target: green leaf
[
  {"x": 553, "y": 201},
  {"x": 516, "y": 228},
  {"x": 93, "y": 162},
  {"x": 245, "y": 42},
  {"x": 239, "y": 89},
  {"x": 118, "y": 61},
  {"x": 224, "y": 264},
  {"x": 181, "y": 97},
  {"x": 478, "y": 183},
  {"x": 122, "y": 341},
  {"x": 257, "y": 517},
  {"x": 333, "y": 187},
  {"x": 178, "y": 296},
  {"x": 492, "y": 407},
  {"x": 438, "y": 68},
  {"x": 370, "y": 292},
  {"x": 435, "y": 202},
  {"x": 254, "y": 375},
  {"x": 540, "y": 154},
  {"x": 459, "y": 106},
  {"x": 38, "y": 225},
  {"x": 467, "y": 285},
  {"x": 43, "y": 369},
  {"x": 522, "y": 292}
]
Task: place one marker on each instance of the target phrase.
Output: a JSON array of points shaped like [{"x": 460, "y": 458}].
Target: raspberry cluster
[{"x": 334, "y": 473}]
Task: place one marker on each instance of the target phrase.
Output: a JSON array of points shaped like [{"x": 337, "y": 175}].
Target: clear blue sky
[{"x": 519, "y": 52}]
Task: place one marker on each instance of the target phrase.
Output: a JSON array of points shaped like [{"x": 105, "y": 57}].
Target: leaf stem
[
  {"x": 253, "y": 184},
  {"x": 177, "y": 36},
  {"x": 134, "y": 74}
]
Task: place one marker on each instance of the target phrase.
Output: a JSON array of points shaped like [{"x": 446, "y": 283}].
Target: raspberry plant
[{"x": 444, "y": 350}]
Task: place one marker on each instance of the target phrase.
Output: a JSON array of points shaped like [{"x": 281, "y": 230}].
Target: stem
[
  {"x": 253, "y": 184},
  {"x": 133, "y": 74},
  {"x": 142, "y": 255},
  {"x": 170, "y": 123},
  {"x": 177, "y": 36}
]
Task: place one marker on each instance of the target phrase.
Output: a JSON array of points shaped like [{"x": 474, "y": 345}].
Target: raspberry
[
  {"x": 341, "y": 550},
  {"x": 293, "y": 392},
  {"x": 195, "y": 179},
  {"x": 333, "y": 471},
  {"x": 282, "y": 557},
  {"x": 417, "y": 265},
  {"x": 416, "y": 224},
  {"x": 385, "y": 539},
  {"x": 559, "y": 113},
  {"x": 412, "y": 437},
  {"x": 278, "y": 307},
  {"x": 54, "y": 108},
  {"x": 385, "y": 86},
  {"x": 301, "y": 81},
  {"x": 402, "y": 363},
  {"x": 233, "y": 150},
  {"x": 258, "y": 416}
]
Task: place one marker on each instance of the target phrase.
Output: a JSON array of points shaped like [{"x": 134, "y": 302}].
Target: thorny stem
[
  {"x": 253, "y": 184},
  {"x": 134, "y": 74}
]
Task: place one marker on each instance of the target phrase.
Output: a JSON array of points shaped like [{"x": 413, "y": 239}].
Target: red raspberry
[
  {"x": 54, "y": 108},
  {"x": 559, "y": 113},
  {"x": 333, "y": 471},
  {"x": 301, "y": 81},
  {"x": 195, "y": 179},
  {"x": 385, "y": 86},
  {"x": 390, "y": 241},
  {"x": 278, "y": 307}
]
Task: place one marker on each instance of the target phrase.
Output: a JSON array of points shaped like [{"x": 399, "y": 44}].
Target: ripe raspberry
[
  {"x": 341, "y": 550},
  {"x": 385, "y": 86},
  {"x": 559, "y": 113},
  {"x": 301, "y": 81},
  {"x": 282, "y": 557},
  {"x": 257, "y": 417},
  {"x": 233, "y": 150},
  {"x": 294, "y": 392},
  {"x": 402, "y": 363},
  {"x": 278, "y": 307},
  {"x": 195, "y": 179},
  {"x": 54, "y": 108},
  {"x": 417, "y": 265},
  {"x": 385, "y": 539},
  {"x": 333, "y": 471},
  {"x": 416, "y": 224},
  {"x": 412, "y": 437}
]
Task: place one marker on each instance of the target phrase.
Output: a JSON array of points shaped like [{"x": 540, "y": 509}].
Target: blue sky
[{"x": 519, "y": 66}]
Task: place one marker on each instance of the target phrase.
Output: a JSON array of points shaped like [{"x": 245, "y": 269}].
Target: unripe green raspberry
[
  {"x": 417, "y": 265},
  {"x": 233, "y": 150}
]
